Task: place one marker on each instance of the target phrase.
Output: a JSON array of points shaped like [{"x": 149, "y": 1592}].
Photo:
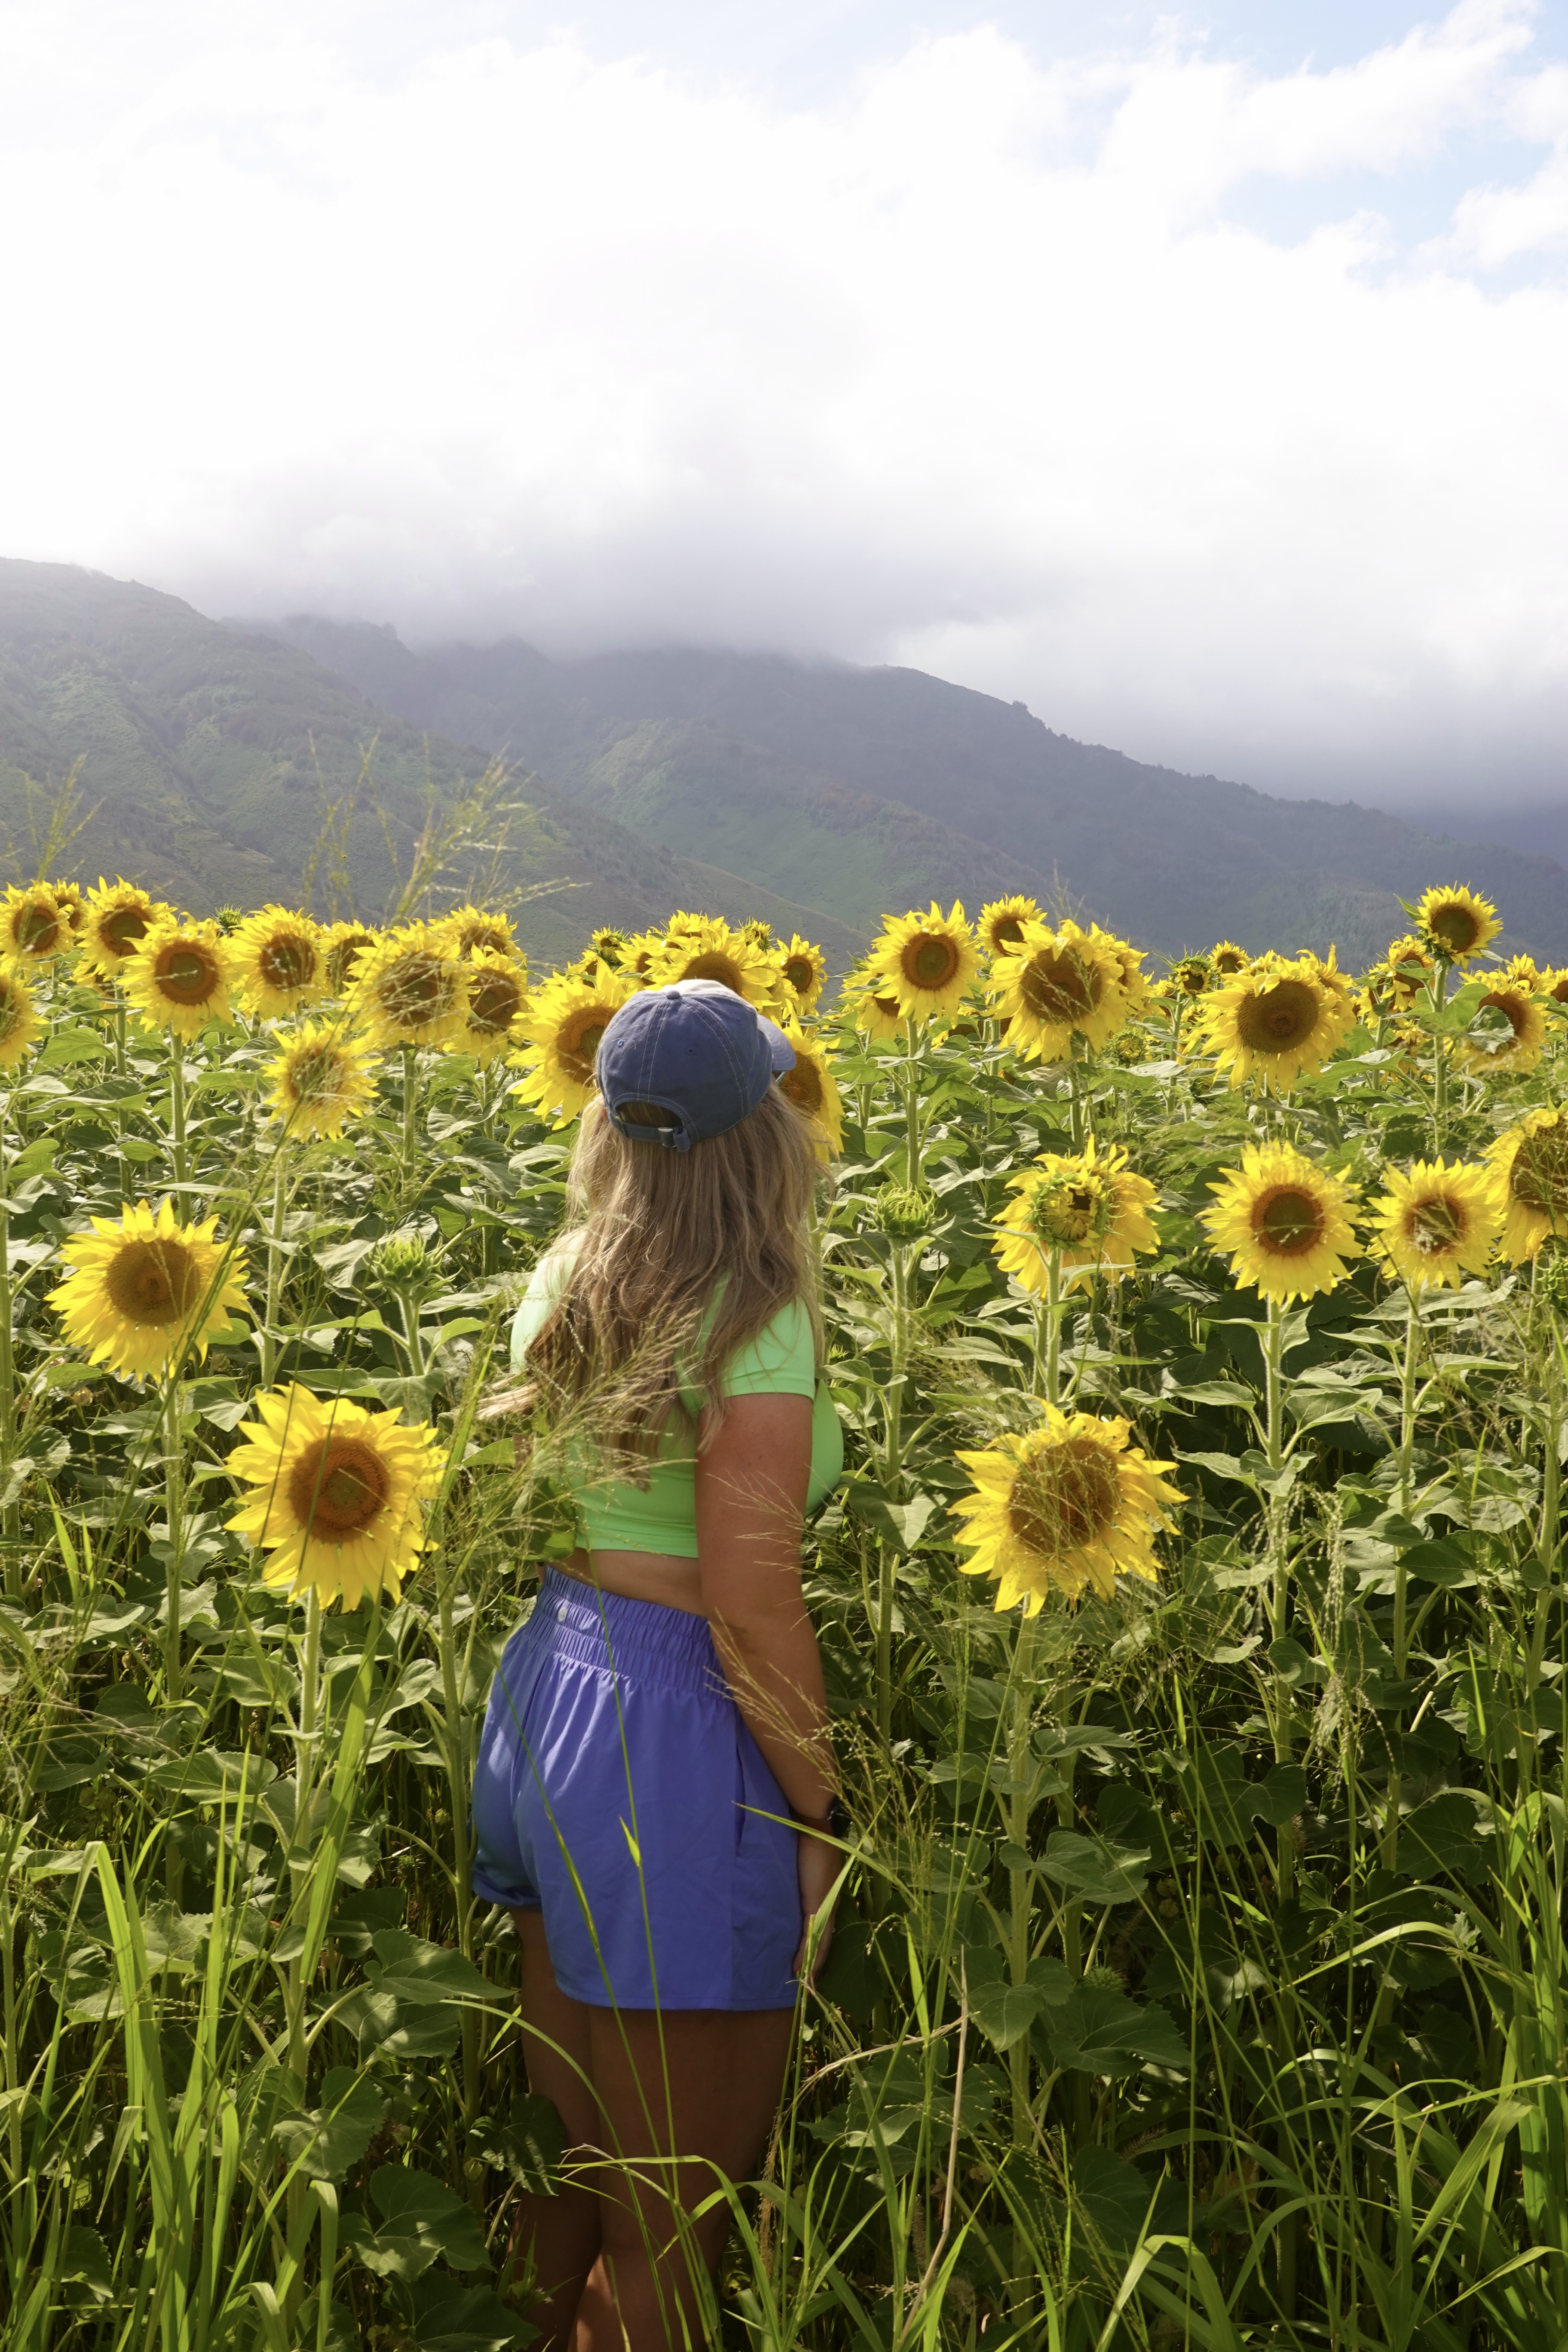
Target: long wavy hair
[{"x": 679, "y": 1260}]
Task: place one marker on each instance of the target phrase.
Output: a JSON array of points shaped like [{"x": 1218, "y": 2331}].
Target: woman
[{"x": 654, "y": 1794}]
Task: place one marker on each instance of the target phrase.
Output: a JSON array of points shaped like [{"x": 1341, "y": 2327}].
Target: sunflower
[
  {"x": 410, "y": 988},
  {"x": 34, "y": 926},
  {"x": 71, "y": 899},
  {"x": 924, "y": 961},
  {"x": 1438, "y": 1224},
  {"x": 146, "y": 1292},
  {"x": 803, "y": 968},
  {"x": 278, "y": 962},
  {"x": 1285, "y": 1225},
  {"x": 760, "y": 935},
  {"x": 1519, "y": 1046},
  {"x": 1001, "y": 924},
  {"x": 1129, "y": 960},
  {"x": 320, "y": 1080},
  {"x": 469, "y": 928},
  {"x": 1191, "y": 976},
  {"x": 335, "y": 1495},
  {"x": 19, "y": 1022},
  {"x": 1410, "y": 968},
  {"x": 342, "y": 944},
  {"x": 638, "y": 955},
  {"x": 1089, "y": 1207},
  {"x": 1055, "y": 982},
  {"x": 178, "y": 977},
  {"x": 1063, "y": 1506},
  {"x": 1227, "y": 962},
  {"x": 1529, "y": 1165},
  {"x": 498, "y": 999},
  {"x": 875, "y": 1013},
  {"x": 1555, "y": 984},
  {"x": 1522, "y": 971},
  {"x": 704, "y": 947},
  {"x": 609, "y": 945},
  {"x": 1277, "y": 1021},
  {"x": 1325, "y": 971},
  {"x": 811, "y": 1087},
  {"x": 119, "y": 917},
  {"x": 1456, "y": 924},
  {"x": 561, "y": 1028}
]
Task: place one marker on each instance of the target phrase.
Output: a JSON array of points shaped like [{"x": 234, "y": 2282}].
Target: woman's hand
[{"x": 817, "y": 1865}]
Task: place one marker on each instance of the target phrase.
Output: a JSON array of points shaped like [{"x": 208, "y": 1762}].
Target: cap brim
[{"x": 779, "y": 1046}]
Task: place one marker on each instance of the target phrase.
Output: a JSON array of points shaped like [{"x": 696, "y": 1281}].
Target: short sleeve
[
  {"x": 546, "y": 1285},
  {"x": 781, "y": 1359}
]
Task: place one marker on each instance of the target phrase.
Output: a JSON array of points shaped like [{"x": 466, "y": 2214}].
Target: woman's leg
[
  {"x": 562, "y": 2232},
  {"x": 700, "y": 2084}
]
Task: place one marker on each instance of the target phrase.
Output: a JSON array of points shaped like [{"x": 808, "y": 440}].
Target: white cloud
[{"x": 970, "y": 366}]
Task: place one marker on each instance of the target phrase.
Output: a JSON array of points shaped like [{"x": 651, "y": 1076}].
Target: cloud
[{"x": 978, "y": 364}]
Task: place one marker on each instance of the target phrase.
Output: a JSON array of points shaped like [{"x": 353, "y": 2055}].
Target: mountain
[
  {"x": 212, "y": 757},
  {"x": 865, "y": 789}
]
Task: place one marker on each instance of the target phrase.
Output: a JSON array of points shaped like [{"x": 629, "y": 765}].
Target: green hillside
[
  {"x": 209, "y": 759},
  {"x": 879, "y": 786}
]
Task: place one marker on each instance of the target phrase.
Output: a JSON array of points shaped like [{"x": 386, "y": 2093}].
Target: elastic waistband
[{"x": 645, "y": 1639}]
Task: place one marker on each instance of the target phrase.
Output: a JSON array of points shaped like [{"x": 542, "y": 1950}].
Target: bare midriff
[{"x": 673, "y": 1582}]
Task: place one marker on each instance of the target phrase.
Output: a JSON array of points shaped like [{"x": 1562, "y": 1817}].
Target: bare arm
[{"x": 751, "y": 1498}]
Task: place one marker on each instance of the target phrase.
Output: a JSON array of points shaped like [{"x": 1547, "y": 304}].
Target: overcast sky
[{"x": 1199, "y": 378}]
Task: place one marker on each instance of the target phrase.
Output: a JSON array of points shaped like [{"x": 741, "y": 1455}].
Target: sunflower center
[
  {"x": 1006, "y": 931},
  {"x": 339, "y": 958},
  {"x": 1459, "y": 928},
  {"x": 1064, "y": 1497},
  {"x": 493, "y": 1005},
  {"x": 415, "y": 988},
  {"x": 1283, "y": 1016},
  {"x": 1512, "y": 1009},
  {"x": 1540, "y": 1177},
  {"x": 187, "y": 973},
  {"x": 578, "y": 1041},
  {"x": 929, "y": 960},
  {"x": 800, "y": 971},
  {"x": 288, "y": 962},
  {"x": 317, "y": 1073},
  {"x": 1230, "y": 960},
  {"x": 37, "y": 927},
  {"x": 1056, "y": 987},
  {"x": 122, "y": 931},
  {"x": 888, "y": 1006},
  {"x": 338, "y": 1486},
  {"x": 1191, "y": 979},
  {"x": 1288, "y": 1221},
  {"x": 803, "y": 1084},
  {"x": 1436, "y": 1223},
  {"x": 154, "y": 1283},
  {"x": 1069, "y": 1209}
]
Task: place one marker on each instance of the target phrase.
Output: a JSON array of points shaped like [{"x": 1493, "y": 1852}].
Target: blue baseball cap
[{"x": 694, "y": 1051}]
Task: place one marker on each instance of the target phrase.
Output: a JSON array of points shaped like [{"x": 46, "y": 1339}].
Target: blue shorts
[{"x": 618, "y": 1791}]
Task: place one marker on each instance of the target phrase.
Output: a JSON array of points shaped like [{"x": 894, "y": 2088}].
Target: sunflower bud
[
  {"x": 229, "y": 920},
  {"x": 401, "y": 1262},
  {"x": 905, "y": 1212},
  {"x": 1551, "y": 1274}
]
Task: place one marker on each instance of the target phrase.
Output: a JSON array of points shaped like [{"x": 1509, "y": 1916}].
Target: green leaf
[
  {"x": 401, "y": 2032},
  {"x": 421, "y": 2221},
  {"x": 420, "y": 1974},
  {"x": 465, "y": 2319},
  {"x": 528, "y": 2146},
  {"x": 1443, "y": 1834},
  {"x": 1096, "y": 2031},
  {"x": 1002, "y": 2011},
  {"x": 70, "y": 1046},
  {"x": 1093, "y": 1869},
  {"x": 326, "y": 2141},
  {"x": 84, "y": 2258}
]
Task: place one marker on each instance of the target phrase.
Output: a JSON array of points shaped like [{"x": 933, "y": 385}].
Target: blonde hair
[{"x": 682, "y": 1259}]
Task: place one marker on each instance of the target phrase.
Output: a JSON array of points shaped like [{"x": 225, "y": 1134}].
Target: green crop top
[{"x": 662, "y": 1517}]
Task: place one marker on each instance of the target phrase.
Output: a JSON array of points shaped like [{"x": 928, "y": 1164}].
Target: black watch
[{"x": 836, "y": 1823}]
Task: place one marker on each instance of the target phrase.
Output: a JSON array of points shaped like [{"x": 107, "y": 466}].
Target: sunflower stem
[
  {"x": 1077, "y": 1047},
  {"x": 173, "y": 1571},
  {"x": 1021, "y": 1779},
  {"x": 274, "y": 1272},
  {"x": 458, "y": 1776},
  {"x": 1438, "y": 991},
  {"x": 410, "y": 1103},
  {"x": 127, "y": 1187},
  {"x": 1547, "y": 1539},
  {"x": 1278, "y": 1601},
  {"x": 911, "y": 1104},
  {"x": 1048, "y": 1332},
  {"x": 1406, "y": 1468},
  {"x": 306, "y": 1752},
  {"x": 177, "y": 1125},
  {"x": 13, "y": 1523}
]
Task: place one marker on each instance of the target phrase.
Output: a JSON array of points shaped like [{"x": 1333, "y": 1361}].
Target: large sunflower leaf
[
  {"x": 1096, "y": 2031},
  {"x": 465, "y": 2320},
  {"x": 422, "y": 2223},
  {"x": 325, "y": 2141},
  {"x": 420, "y": 1973},
  {"x": 1094, "y": 1870}
]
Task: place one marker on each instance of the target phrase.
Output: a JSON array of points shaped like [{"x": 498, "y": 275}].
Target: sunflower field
[{"x": 1192, "y": 1613}]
